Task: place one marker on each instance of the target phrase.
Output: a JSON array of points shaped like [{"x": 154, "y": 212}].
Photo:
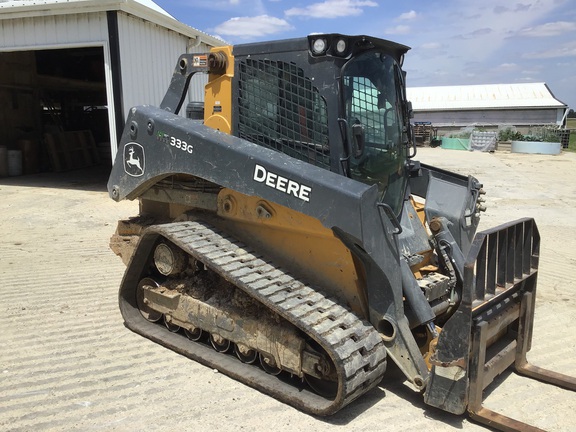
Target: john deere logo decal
[{"x": 134, "y": 161}]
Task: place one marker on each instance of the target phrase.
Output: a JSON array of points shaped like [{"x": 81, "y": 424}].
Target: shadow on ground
[{"x": 88, "y": 179}]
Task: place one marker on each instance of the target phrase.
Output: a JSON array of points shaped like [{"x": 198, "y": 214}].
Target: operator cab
[{"x": 344, "y": 109}]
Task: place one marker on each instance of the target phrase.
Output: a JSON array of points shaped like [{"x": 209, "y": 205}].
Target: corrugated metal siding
[
  {"x": 518, "y": 117},
  {"x": 489, "y": 96},
  {"x": 51, "y": 31},
  {"x": 149, "y": 54},
  {"x": 147, "y": 10}
]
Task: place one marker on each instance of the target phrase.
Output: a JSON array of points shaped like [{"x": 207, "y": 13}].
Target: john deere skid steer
[{"x": 289, "y": 238}]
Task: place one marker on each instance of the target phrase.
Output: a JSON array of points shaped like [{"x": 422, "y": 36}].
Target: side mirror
[
  {"x": 358, "y": 137},
  {"x": 410, "y": 110}
]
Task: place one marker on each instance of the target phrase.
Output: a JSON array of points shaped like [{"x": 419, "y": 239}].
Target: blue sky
[{"x": 454, "y": 42}]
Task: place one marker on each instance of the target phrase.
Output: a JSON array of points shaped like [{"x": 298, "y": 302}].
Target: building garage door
[{"x": 53, "y": 109}]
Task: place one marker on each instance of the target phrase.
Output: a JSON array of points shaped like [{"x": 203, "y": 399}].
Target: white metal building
[
  {"x": 487, "y": 105},
  {"x": 82, "y": 64}
]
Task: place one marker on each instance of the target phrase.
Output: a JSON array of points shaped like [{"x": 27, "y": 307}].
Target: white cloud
[
  {"x": 431, "y": 46},
  {"x": 519, "y": 7},
  {"x": 567, "y": 49},
  {"x": 398, "y": 30},
  {"x": 475, "y": 34},
  {"x": 557, "y": 28},
  {"x": 332, "y": 9},
  {"x": 509, "y": 40},
  {"x": 252, "y": 26},
  {"x": 429, "y": 51},
  {"x": 507, "y": 66},
  {"x": 408, "y": 15}
]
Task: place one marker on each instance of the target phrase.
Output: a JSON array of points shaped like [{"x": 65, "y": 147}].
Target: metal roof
[
  {"x": 488, "y": 96},
  {"x": 145, "y": 9}
]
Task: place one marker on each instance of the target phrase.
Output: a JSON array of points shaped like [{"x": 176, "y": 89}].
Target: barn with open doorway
[{"x": 71, "y": 69}]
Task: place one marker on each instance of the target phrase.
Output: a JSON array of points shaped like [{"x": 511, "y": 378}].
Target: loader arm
[{"x": 253, "y": 170}]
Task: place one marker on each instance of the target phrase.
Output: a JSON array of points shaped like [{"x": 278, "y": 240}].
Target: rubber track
[{"x": 355, "y": 347}]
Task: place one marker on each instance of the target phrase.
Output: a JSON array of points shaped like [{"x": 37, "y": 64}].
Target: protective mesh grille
[
  {"x": 365, "y": 109},
  {"x": 279, "y": 108}
]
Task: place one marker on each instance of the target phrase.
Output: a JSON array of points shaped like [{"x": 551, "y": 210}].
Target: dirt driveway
[{"x": 68, "y": 363}]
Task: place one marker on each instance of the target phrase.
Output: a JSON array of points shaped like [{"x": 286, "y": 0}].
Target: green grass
[{"x": 571, "y": 124}]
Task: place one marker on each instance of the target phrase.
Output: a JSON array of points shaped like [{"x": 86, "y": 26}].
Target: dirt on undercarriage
[{"x": 68, "y": 363}]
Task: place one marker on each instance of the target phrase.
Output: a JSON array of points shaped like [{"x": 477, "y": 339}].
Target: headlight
[
  {"x": 319, "y": 46},
  {"x": 341, "y": 46}
]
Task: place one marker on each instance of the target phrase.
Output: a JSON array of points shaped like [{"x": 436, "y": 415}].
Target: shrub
[
  {"x": 544, "y": 133},
  {"x": 509, "y": 134}
]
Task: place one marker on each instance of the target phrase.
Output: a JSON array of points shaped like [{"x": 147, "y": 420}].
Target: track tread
[{"x": 355, "y": 347}]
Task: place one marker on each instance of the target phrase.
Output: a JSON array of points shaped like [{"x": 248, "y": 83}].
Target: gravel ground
[{"x": 67, "y": 362}]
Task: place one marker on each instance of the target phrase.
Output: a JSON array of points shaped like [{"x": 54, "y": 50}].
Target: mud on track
[{"x": 67, "y": 363}]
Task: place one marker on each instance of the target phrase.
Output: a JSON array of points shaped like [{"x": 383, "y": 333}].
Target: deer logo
[{"x": 134, "y": 159}]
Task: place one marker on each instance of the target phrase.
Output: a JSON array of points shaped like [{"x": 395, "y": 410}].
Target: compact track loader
[{"x": 288, "y": 237}]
